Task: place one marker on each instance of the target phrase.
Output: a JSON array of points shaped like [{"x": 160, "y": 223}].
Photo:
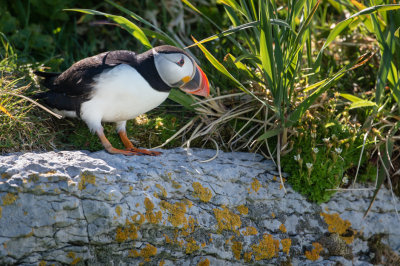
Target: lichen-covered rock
[{"x": 95, "y": 208}]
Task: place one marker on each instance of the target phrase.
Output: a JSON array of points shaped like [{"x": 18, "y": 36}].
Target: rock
[{"x": 76, "y": 207}]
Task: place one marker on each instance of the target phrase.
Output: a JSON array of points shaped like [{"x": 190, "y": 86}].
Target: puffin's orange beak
[{"x": 198, "y": 85}]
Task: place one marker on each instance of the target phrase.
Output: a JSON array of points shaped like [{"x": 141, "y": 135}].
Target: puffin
[{"x": 116, "y": 86}]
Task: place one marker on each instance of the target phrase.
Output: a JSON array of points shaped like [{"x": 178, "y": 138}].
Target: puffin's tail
[{"x": 49, "y": 78}]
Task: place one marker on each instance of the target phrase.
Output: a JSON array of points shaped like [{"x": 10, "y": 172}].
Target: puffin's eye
[{"x": 181, "y": 62}]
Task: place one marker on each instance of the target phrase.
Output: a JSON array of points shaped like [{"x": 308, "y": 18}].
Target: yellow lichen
[
  {"x": 42, "y": 263},
  {"x": 188, "y": 203},
  {"x": 9, "y": 199},
  {"x": 5, "y": 176},
  {"x": 273, "y": 215},
  {"x": 167, "y": 239},
  {"x": 191, "y": 246},
  {"x": 242, "y": 209},
  {"x": 176, "y": 185},
  {"x": 29, "y": 234},
  {"x": 161, "y": 263},
  {"x": 146, "y": 252},
  {"x": 130, "y": 188},
  {"x": 286, "y": 244},
  {"x": 227, "y": 220},
  {"x": 204, "y": 262},
  {"x": 163, "y": 191},
  {"x": 1, "y": 212},
  {"x": 128, "y": 231},
  {"x": 137, "y": 205},
  {"x": 267, "y": 248},
  {"x": 189, "y": 227},
  {"x": 86, "y": 178},
  {"x": 335, "y": 223},
  {"x": 118, "y": 210},
  {"x": 255, "y": 185},
  {"x": 151, "y": 217},
  {"x": 176, "y": 212},
  {"x": 250, "y": 230},
  {"x": 247, "y": 256},
  {"x": 314, "y": 254},
  {"x": 339, "y": 226},
  {"x": 75, "y": 259},
  {"x": 136, "y": 220},
  {"x": 282, "y": 228},
  {"x": 33, "y": 178},
  {"x": 237, "y": 249},
  {"x": 203, "y": 193},
  {"x": 227, "y": 241}
]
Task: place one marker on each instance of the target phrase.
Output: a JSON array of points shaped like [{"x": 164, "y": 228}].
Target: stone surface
[{"x": 76, "y": 207}]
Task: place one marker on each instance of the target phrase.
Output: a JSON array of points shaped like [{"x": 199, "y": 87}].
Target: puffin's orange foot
[
  {"x": 113, "y": 150},
  {"x": 145, "y": 152}
]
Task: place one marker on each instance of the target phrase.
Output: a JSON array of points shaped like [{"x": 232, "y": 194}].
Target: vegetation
[{"x": 313, "y": 85}]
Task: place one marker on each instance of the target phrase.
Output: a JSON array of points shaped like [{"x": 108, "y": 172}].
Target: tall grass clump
[
  {"x": 382, "y": 107},
  {"x": 19, "y": 129}
]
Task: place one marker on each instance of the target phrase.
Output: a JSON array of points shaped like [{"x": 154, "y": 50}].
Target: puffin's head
[{"x": 177, "y": 69}]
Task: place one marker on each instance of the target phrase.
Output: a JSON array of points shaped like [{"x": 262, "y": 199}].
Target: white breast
[{"x": 120, "y": 94}]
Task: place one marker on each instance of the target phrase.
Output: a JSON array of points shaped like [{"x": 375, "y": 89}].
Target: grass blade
[
  {"x": 159, "y": 34},
  {"x": 182, "y": 98},
  {"x": 384, "y": 157},
  {"x": 126, "y": 24},
  {"x": 345, "y": 23},
  {"x": 357, "y": 102},
  {"x": 217, "y": 64},
  {"x": 266, "y": 48},
  {"x": 4, "y": 110},
  {"x": 303, "y": 106}
]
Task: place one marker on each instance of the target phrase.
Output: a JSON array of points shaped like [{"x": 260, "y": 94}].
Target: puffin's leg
[
  {"x": 121, "y": 128},
  {"x": 107, "y": 145}
]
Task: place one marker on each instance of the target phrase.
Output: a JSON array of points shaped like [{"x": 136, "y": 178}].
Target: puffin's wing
[{"x": 78, "y": 80}]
